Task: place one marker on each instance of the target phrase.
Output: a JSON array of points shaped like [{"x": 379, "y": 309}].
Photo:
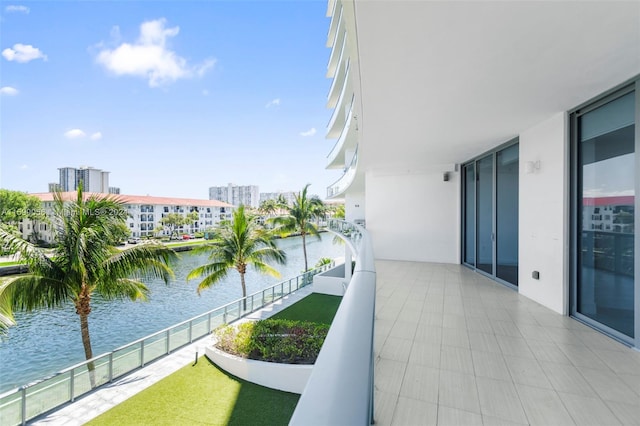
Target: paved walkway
[{"x": 108, "y": 396}]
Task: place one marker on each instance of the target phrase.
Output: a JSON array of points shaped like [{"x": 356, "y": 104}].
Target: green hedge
[{"x": 274, "y": 340}]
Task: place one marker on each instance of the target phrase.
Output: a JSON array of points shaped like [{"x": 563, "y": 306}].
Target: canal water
[{"x": 47, "y": 341}]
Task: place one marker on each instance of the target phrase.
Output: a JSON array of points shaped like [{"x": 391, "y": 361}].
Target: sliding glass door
[
  {"x": 490, "y": 214},
  {"x": 605, "y": 184}
]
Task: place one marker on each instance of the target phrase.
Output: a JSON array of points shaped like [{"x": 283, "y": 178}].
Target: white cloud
[
  {"x": 24, "y": 167},
  {"x": 75, "y": 134},
  {"x": 310, "y": 132},
  {"x": 273, "y": 102},
  {"x": 8, "y": 91},
  {"x": 205, "y": 92},
  {"x": 150, "y": 58},
  {"x": 96, "y": 136},
  {"x": 23, "y": 53},
  {"x": 15, "y": 8}
]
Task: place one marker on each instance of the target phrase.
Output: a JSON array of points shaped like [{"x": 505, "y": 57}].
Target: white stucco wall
[
  {"x": 354, "y": 206},
  {"x": 543, "y": 244},
  {"x": 414, "y": 216}
]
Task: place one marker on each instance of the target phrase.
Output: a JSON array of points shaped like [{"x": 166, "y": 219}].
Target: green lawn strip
[
  {"x": 202, "y": 395},
  {"x": 319, "y": 308},
  {"x": 16, "y": 262},
  {"x": 186, "y": 243}
]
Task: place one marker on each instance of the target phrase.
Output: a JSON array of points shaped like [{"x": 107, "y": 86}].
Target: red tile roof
[
  {"x": 621, "y": 200},
  {"x": 138, "y": 199}
]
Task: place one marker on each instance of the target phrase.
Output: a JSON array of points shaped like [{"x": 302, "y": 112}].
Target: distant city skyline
[{"x": 167, "y": 96}]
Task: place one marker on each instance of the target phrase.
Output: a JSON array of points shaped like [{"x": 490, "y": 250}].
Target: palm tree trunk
[
  {"x": 83, "y": 308},
  {"x": 244, "y": 291},
  {"x": 304, "y": 250}
]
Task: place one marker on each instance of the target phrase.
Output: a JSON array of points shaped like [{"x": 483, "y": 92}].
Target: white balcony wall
[
  {"x": 414, "y": 216},
  {"x": 336, "y": 158},
  {"x": 543, "y": 218},
  {"x": 337, "y": 54},
  {"x": 333, "y": 26},
  {"x": 355, "y": 211}
]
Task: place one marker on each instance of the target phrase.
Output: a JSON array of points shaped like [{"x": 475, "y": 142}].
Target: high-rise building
[
  {"x": 247, "y": 195},
  {"x": 94, "y": 180}
]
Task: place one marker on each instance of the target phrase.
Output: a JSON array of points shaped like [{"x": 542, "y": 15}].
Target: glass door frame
[
  {"x": 463, "y": 228},
  {"x": 575, "y": 191}
]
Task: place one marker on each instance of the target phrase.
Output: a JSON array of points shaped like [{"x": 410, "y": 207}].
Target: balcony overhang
[{"x": 446, "y": 81}]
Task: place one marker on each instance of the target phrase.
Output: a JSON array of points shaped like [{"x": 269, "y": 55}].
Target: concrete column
[{"x": 347, "y": 263}]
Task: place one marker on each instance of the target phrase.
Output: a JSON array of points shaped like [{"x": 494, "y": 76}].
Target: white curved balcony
[
  {"x": 337, "y": 53},
  {"x": 340, "y": 389},
  {"x": 338, "y": 82},
  {"x": 335, "y": 159},
  {"x": 335, "y": 24},
  {"x": 338, "y": 119},
  {"x": 341, "y": 185}
]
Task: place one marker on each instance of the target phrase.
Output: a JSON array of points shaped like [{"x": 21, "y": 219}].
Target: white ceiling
[{"x": 443, "y": 81}]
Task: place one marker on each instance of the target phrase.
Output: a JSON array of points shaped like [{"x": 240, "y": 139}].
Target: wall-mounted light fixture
[
  {"x": 532, "y": 166},
  {"x": 445, "y": 177}
]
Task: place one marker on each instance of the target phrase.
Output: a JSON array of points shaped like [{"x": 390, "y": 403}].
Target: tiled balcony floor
[{"x": 455, "y": 348}]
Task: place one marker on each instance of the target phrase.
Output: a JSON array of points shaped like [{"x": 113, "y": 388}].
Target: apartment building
[
  {"x": 94, "y": 180},
  {"x": 247, "y": 195},
  {"x": 508, "y": 134},
  {"x": 144, "y": 214}
]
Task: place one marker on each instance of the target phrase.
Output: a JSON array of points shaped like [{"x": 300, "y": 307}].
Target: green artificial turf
[
  {"x": 12, "y": 263},
  {"x": 202, "y": 395},
  {"x": 320, "y": 308}
]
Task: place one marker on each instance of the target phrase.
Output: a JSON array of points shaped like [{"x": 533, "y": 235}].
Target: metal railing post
[
  {"x": 224, "y": 316},
  {"x": 142, "y": 354},
  {"x": 191, "y": 331},
  {"x": 23, "y": 409},
  {"x": 209, "y": 323},
  {"x": 110, "y": 367},
  {"x": 169, "y": 341},
  {"x": 72, "y": 389}
]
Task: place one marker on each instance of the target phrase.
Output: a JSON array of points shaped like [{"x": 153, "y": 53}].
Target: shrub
[{"x": 274, "y": 340}]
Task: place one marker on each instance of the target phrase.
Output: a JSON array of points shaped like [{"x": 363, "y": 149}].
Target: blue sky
[{"x": 170, "y": 97}]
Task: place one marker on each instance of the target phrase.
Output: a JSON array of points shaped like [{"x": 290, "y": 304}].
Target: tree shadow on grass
[{"x": 258, "y": 405}]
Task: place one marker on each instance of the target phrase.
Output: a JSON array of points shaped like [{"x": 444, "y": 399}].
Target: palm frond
[
  {"x": 124, "y": 288},
  {"x": 29, "y": 292}
]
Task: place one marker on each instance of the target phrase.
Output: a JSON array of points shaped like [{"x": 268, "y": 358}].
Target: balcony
[
  {"x": 335, "y": 21},
  {"x": 337, "y": 120},
  {"x": 335, "y": 159},
  {"x": 337, "y": 52},
  {"x": 341, "y": 76},
  {"x": 341, "y": 185},
  {"x": 454, "y": 347}
]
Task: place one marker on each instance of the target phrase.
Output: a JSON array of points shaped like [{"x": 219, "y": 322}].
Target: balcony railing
[
  {"x": 343, "y": 183},
  {"x": 339, "y": 81},
  {"x": 333, "y": 26},
  {"x": 337, "y": 148},
  {"x": 27, "y": 402},
  {"x": 337, "y": 118},
  {"x": 337, "y": 53},
  {"x": 340, "y": 388}
]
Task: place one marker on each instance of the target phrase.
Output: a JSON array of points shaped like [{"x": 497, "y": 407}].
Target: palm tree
[
  {"x": 300, "y": 219},
  {"x": 84, "y": 263},
  {"x": 236, "y": 245}
]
